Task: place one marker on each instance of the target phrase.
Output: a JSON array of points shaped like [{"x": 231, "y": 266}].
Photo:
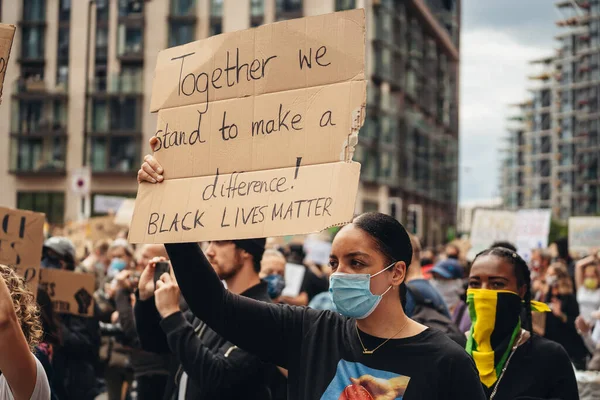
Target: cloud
[
  {"x": 494, "y": 72},
  {"x": 529, "y": 20}
]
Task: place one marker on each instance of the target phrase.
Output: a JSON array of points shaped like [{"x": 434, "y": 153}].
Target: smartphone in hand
[{"x": 161, "y": 267}]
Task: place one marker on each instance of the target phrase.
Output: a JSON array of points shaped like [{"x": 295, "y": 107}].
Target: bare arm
[
  {"x": 580, "y": 265},
  {"x": 17, "y": 363}
]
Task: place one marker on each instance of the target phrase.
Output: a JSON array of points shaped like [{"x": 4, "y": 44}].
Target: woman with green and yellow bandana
[{"x": 513, "y": 363}]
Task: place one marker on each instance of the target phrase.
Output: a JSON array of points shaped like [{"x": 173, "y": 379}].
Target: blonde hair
[{"x": 27, "y": 310}]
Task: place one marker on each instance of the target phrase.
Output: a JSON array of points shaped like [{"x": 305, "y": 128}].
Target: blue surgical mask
[
  {"x": 275, "y": 285},
  {"x": 351, "y": 293},
  {"x": 118, "y": 264}
]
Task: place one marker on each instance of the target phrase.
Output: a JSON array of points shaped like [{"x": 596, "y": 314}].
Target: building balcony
[
  {"x": 38, "y": 154},
  {"x": 36, "y": 88},
  {"x": 117, "y": 85}
]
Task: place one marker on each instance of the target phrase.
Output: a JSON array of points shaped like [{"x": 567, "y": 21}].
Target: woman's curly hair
[{"x": 26, "y": 308}]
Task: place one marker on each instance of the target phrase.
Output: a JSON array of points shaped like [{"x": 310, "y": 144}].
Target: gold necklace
[{"x": 366, "y": 351}]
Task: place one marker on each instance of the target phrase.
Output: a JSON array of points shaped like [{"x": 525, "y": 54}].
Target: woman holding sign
[
  {"x": 22, "y": 375},
  {"x": 369, "y": 349}
]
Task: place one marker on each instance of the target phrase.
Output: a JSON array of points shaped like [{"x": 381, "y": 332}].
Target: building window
[
  {"x": 216, "y": 28},
  {"x": 102, "y": 10},
  {"x": 114, "y": 134},
  {"x": 183, "y": 8},
  {"x": 216, "y": 8},
  {"x": 131, "y": 8},
  {"x": 130, "y": 41},
  {"x": 181, "y": 33},
  {"x": 257, "y": 8},
  {"x": 38, "y": 136},
  {"x": 130, "y": 80},
  {"x": 287, "y": 9},
  {"x": 341, "y": 5},
  {"x": 64, "y": 11},
  {"x": 115, "y": 153},
  {"x": 50, "y": 203},
  {"x": 39, "y": 153},
  {"x": 257, "y": 12},
  {"x": 34, "y": 10},
  {"x": 33, "y": 42}
]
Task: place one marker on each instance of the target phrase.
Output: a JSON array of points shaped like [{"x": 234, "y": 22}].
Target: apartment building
[
  {"x": 561, "y": 147},
  {"x": 79, "y": 81}
]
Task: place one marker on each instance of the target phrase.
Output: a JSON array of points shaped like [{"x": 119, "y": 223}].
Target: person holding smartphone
[{"x": 208, "y": 366}]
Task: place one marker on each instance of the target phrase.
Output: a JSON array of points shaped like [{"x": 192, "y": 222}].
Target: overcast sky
[{"x": 499, "y": 37}]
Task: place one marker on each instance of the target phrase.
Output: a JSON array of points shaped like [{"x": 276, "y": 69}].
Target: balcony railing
[
  {"x": 117, "y": 85},
  {"x": 41, "y": 154}
]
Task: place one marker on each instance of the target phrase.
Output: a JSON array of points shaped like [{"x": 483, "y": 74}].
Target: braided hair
[{"x": 522, "y": 274}]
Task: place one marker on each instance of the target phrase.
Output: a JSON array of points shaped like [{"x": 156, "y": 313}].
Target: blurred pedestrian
[
  {"x": 586, "y": 283},
  {"x": 560, "y": 323},
  {"x": 75, "y": 361},
  {"x": 272, "y": 271},
  {"x": 513, "y": 362},
  {"x": 447, "y": 279},
  {"x": 424, "y": 303}
]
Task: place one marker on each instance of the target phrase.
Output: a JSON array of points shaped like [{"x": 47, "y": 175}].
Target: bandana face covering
[
  {"x": 496, "y": 323},
  {"x": 495, "y": 315}
]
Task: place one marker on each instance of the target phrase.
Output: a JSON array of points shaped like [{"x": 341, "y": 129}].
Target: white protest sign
[
  {"x": 125, "y": 213},
  {"x": 584, "y": 234},
  {"x": 490, "y": 226},
  {"x": 105, "y": 204},
  {"x": 294, "y": 276},
  {"x": 532, "y": 228},
  {"x": 256, "y": 132},
  {"x": 317, "y": 250}
]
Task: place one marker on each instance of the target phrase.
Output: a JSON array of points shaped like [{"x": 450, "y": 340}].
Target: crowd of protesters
[{"x": 384, "y": 316}]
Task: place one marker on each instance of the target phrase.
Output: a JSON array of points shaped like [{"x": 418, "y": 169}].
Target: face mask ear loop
[
  {"x": 388, "y": 289},
  {"x": 385, "y": 269}
]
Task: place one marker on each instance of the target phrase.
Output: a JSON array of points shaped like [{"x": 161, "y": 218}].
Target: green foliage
[{"x": 557, "y": 230}]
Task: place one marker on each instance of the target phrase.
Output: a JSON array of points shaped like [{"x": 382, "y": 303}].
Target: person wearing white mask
[{"x": 447, "y": 279}]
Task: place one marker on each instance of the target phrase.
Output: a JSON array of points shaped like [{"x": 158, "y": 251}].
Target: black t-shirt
[
  {"x": 313, "y": 284},
  {"x": 539, "y": 369},
  {"x": 321, "y": 349}
]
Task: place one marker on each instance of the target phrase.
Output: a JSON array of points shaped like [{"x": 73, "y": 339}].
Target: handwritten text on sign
[
  {"x": 256, "y": 132},
  {"x": 21, "y": 241}
]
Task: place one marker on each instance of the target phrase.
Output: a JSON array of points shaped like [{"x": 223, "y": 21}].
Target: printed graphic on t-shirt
[{"x": 354, "y": 381}]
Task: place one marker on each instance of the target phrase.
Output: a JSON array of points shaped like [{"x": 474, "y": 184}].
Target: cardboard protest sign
[
  {"x": 584, "y": 234},
  {"x": 490, "y": 226},
  {"x": 532, "y": 228},
  {"x": 7, "y": 33},
  {"x": 256, "y": 132},
  {"x": 21, "y": 242},
  {"x": 102, "y": 228},
  {"x": 70, "y": 292}
]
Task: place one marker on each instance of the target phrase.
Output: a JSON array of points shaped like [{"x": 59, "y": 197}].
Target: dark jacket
[
  {"x": 216, "y": 368},
  {"x": 144, "y": 363},
  {"x": 75, "y": 361}
]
